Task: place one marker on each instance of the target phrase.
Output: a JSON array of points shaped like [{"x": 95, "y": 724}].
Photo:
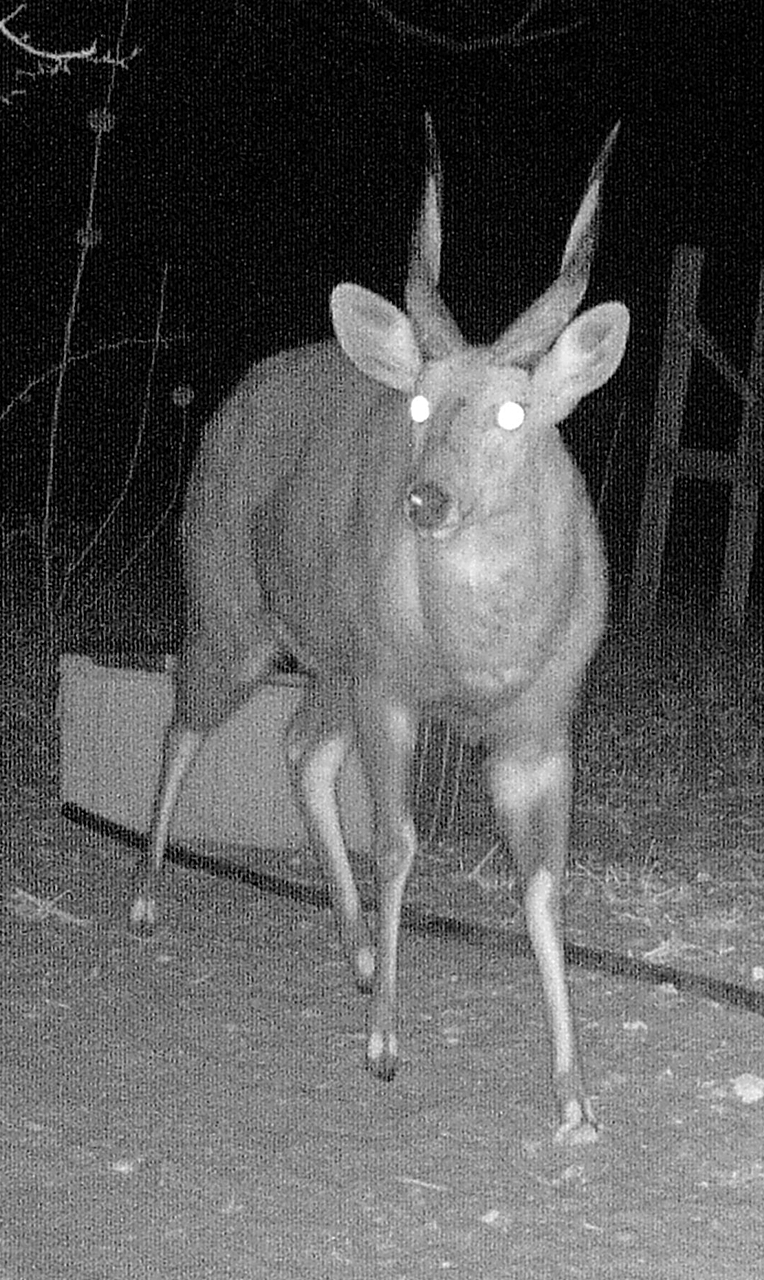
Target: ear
[
  {"x": 585, "y": 355},
  {"x": 376, "y": 336}
]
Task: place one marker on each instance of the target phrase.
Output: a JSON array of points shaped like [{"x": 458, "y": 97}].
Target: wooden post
[
  {"x": 670, "y": 398},
  {"x": 743, "y": 471},
  {"x": 747, "y": 481}
]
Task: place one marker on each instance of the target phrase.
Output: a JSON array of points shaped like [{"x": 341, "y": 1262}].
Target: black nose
[{"x": 428, "y": 506}]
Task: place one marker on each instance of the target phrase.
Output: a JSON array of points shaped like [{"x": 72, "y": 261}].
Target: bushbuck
[{"x": 397, "y": 509}]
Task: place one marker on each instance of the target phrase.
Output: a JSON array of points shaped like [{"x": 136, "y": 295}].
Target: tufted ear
[
  {"x": 376, "y": 336},
  {"x": 586, "y": 354}
]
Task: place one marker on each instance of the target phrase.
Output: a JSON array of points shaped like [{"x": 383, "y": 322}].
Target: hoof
[
  {"x": 143, "y": 913},
  {"x": 579, "y": 1126},
  {"x": 382, "y": 1055}
]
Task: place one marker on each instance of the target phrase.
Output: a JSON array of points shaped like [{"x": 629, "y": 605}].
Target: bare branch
[
  {"x": 23, "y": 42},
  {"x": 518, "y": 35},
  {"x": 52, "y": 62}
]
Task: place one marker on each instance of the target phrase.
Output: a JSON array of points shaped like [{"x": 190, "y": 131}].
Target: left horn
[{"x": 533, "y": 333}]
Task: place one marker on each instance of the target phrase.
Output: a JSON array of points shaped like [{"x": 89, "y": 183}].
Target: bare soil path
[{"x": 196, "y": 1106}]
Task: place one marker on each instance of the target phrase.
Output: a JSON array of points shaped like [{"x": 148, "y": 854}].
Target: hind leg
[{"x": 212, "y": 680}]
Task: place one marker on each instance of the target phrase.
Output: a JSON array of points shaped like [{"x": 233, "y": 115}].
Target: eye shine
[
  {"x": 419, "y": 409},
  {"x": 510, "y": 415}
]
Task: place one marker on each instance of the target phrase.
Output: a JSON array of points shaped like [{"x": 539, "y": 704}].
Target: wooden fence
[{"x": 742, "y": 469}]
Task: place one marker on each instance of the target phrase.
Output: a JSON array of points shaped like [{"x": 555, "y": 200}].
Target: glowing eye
[
  {"x": 510, "y": 415},
  {"x": 419, "y": 409}
]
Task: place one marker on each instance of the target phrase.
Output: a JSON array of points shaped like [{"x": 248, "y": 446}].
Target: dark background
[{"x": 261, "y": 152}]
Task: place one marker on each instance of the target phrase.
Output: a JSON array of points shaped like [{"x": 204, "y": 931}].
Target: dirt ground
[{"x": 196, "y": 1105}]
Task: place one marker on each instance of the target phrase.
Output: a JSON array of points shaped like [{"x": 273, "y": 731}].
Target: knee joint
[{"x": 518, "y": 782}]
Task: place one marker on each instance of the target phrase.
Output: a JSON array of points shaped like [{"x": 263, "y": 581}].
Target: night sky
[{"x": 261, "y": 152}]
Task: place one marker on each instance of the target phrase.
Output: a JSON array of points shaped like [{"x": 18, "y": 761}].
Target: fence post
[
  {"x": 670, "y": 399},
  {"x": 742, "y": 471},
  {"x": 748, "y": 478}
]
